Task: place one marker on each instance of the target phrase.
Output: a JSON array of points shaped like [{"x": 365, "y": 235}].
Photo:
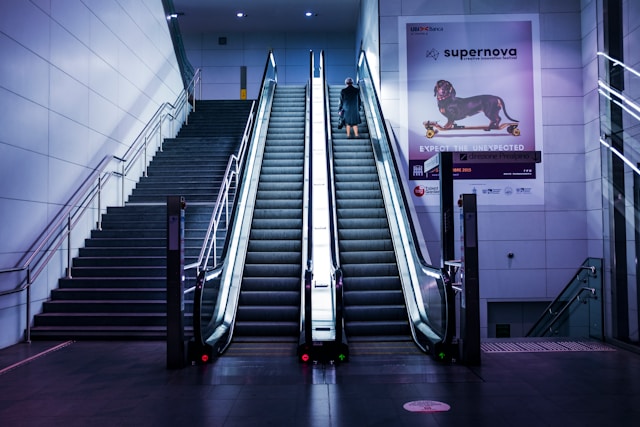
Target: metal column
[
  {"x": 469, "y": 274},
  {"x": 175, "y": 282}
]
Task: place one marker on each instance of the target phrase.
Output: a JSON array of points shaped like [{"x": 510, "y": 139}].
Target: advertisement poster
[{"x": 472, "y": 88}]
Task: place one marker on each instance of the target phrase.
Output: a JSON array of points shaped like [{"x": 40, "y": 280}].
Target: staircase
[
  {"x": 374, "y": 302},
  {"x": 269, "y": 302},
  {"x": 118, "y": 284}
]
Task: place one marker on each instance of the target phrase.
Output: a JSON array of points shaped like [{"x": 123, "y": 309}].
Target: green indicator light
[
  {"x": 342, "y": 357},
  {"x": 442, "y": 355}
]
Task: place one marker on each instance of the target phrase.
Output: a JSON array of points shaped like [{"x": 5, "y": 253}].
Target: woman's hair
[{"x": 348, "y": 81}]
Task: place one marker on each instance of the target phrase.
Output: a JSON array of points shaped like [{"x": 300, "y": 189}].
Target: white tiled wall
[{"x": 78, "y": 80}]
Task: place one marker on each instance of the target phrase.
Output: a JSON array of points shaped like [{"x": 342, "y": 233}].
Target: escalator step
[
  {"x": 365, "y": 284},
  {"x": 266, "y": 329},
  {"x": 368, "y": 257},
  {"x": 276, "y": 256},
  {"x": 270, "y": 271},
  {"x": 270, "y": 234},
  {"x": 268, "y": 297},
  {"x": 268, "y": 314},
  {"x": 379, "y": 328},
  {"x": 275, "y": 284},
  {"x": 356, "y": 245},
  {"x": 374, "y": 298},
  {"x": 370, "y": 270}
]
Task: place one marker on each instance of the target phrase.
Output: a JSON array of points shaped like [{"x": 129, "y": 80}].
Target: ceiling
[{"x": 219, "y": 16}]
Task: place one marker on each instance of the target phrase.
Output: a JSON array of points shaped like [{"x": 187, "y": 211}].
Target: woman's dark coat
[{"x": 350, "y": 103}]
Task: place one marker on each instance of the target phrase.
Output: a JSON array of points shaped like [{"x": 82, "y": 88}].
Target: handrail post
[
  {"x": 226, "y": 210},
  {"x": 186, "y": 111},
  {"x": 237, "y": 175},
  {"x": 160, "y": 132},
  {"x": 144, "y": 171},
  {"x": 68, "y": 247},
  {"x": 174, "y": 117},
  {"x": 122, "y": 176},
  {"x": 27, "y": 337},
  {"x": 99, "y": 223},
  {"x": 215, "y": 250}
]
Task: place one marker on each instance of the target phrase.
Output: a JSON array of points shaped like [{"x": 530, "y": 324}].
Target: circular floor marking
[{"x": 426, "y": 406}]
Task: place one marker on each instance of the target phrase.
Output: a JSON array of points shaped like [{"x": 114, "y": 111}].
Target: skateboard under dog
[{"x": 433, "y": 128}]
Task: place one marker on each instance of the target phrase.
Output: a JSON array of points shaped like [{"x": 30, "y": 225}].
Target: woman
[{"x": 350, "y": 107}]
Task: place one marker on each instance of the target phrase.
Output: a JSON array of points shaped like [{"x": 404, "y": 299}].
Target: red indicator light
[
  {"x": 305, "y": 357},
  {"x": 204, "y": 358}
]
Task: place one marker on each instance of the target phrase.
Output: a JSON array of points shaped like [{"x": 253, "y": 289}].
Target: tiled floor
[{"x": 127, "y": 384}]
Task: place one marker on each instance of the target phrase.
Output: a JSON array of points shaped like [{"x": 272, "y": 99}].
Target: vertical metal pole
[
  {"x": 122, "y": 182},
  {"x": 175, "y": 284},
  {"x": 226, "y": 209},
  {"x": 173, "y": 121},
  {"x": 447, "y": 233},
  {"x": 160, "y": 132},
  {"x": 195, "y": 82},
  {"x": 445, "y": 173},
  {"x": 470, "y": 303},
  {"x": 69, "y": 247},
  {"x": 99, "y": 223},
  {"x": 28, "y": 307},
  {"x": 144, "y": 172},
  {"x": 186, "y": 111}
]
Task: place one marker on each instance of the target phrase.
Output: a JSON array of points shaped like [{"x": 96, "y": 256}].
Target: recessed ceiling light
[
  {"x": 174, "y": 15},
  {"x": 308, "y": 14},
  {"x": 241, "y": 15}
]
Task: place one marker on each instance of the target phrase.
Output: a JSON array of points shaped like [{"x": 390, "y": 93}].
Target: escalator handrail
[
  {"x": 220, "y": 327},
  {"x": 307, "y": 216},
  {"x": 333, "y": 214},
  {"x": 410, "y": 245},
  {"x": 405, "y": 201}
]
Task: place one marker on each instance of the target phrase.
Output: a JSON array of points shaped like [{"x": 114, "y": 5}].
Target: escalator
[
  {"x": 374, "y": 303},
  {"x": 394, "y": 300},
  {"x": 251, "y": 300},
  {"x": 269, "y": 303},
  {"x": 381, "y": 291}
]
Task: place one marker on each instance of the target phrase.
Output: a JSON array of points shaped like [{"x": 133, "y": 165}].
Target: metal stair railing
[
  {"x": 565, "y": 315},
  {"x": 224, "y": 202},
  {"x": 91, "y": 193},
  {"x": 230, "y": 181}
]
